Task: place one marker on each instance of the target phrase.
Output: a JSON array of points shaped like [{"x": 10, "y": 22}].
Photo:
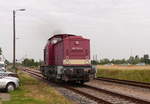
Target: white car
[
  {"x": 8, "y": 83},
  {"x": 2, "y": 65}
]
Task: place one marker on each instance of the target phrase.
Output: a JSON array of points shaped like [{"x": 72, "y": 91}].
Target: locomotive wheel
[
  {"x": 46, "y": 77},
  {"x": 81, "y": 82}
]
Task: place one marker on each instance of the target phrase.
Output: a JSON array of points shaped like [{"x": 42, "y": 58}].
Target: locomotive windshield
[{"x": 1, "y": 65}]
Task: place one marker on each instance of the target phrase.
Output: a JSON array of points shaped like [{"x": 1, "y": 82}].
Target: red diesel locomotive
[{"x": 67, "y": 58}]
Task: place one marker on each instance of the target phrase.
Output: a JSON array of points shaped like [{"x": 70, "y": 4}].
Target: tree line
[
  {"x": 131, "y": 60},
  {"x": 26, "y": 62},
  {"x": 31, "y": 63}
]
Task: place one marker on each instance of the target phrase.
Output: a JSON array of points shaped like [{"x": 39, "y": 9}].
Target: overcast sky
[{"x": 117, "y": 28}]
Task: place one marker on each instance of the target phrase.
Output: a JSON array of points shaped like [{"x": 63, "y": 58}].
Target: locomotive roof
[{"x": 61, "y": 35}]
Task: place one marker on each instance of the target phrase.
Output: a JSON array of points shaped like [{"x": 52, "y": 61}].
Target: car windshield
[
  {"x": 1, "y": 65},
  {"x": 2, "y": 70}
]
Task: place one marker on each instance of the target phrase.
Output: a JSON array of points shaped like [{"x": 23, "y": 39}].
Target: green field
[
  {"x": 134, "y": 73},
  {"x": 33, "y": 91}
]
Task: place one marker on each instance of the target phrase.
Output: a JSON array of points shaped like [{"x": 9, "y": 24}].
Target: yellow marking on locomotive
[{"x": 76, "y": 61}]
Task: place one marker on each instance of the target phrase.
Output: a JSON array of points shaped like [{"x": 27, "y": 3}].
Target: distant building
[
  {"x": 2, "y": 58},
  {"x": 140, "y": 64},
  {"x": 110, "y": 64}
]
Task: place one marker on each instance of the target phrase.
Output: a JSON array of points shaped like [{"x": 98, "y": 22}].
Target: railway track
[
  {"x": 119, "y": 81},
  {"x": 118, "y": 95},
  {"x": 101, "y": 96},
  {"x": 98, "y": 100},
  {"x": 125, "y": 82}
]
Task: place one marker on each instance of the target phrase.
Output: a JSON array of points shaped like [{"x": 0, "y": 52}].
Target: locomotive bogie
[{"x": 69, "y": 73}]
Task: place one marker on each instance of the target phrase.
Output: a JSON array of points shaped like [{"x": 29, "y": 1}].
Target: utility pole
[
  {"x": 14, "y": 41},
  {"x": 14, "y": 37}
]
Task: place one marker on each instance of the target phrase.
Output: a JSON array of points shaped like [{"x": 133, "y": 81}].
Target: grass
[
  {"x": 135, "y": 73},
  {"x": 33, "y": 91},
  {"x": 129, "y": 67}
]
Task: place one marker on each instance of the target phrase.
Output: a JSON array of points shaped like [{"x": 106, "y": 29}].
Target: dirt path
[{"x": 4, "y": 97}]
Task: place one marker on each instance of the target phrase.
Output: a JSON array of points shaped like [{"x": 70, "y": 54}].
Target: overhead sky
[{"x": 117, "y": 28}]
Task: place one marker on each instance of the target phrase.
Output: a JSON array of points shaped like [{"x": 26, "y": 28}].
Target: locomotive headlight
[
  {"x": 66, "y": 61},
  {"x": 87, "y": 62}
]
